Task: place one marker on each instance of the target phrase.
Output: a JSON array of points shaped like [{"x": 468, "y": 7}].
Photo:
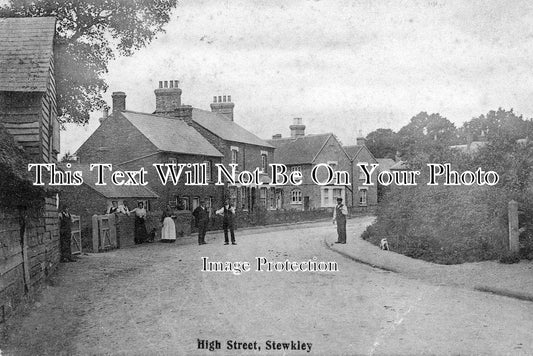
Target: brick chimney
[
  {"x": 184, "y": 112},
  {"x": 167, "y": 97},
  {"x": 297, "y": 128},
  {"x": 119, "y": 101},
  {"x": 360, "y": 140},
  {"x": 222, "y": 104}
]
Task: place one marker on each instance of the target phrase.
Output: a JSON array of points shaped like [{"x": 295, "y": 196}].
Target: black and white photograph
[{"x": 305, "y": 177}]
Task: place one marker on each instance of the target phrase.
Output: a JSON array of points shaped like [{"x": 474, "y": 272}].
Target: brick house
[
  {"x": 235, "y": 143},
  {"x": 29, "y": 133},
  {"x": 362, "y": 195},
  {"x": 135, "y": 140},
  {"x": 302, "y": 152}
]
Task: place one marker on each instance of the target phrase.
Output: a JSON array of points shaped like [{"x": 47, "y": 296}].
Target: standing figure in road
[
  {"x": 201, "y": 215},
  {"x": 168, "y": 232},
  {"x": 228, "y": 212},
  {"x": 140, "y": 223},
  {"x": 339, "y": 217},
  {"x": 65, "y": 222}
]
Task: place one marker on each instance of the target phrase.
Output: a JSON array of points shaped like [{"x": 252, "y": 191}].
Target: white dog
[{"x": 384, "y": 245}]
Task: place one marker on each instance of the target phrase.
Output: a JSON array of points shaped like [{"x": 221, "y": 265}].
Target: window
[
  {"x": 234, "y": 154},
  {"x": 264, "y": 161},
  {"x": 296, "y": 168},
  {"x": 208, "y": 171},
  {"x": 330, "y": 194},
  {"x": 296, "y": 196},
  {"x": 362, "y": 197},
  {"x": 332, "y": 164},
  {"x": 185, "y": 203}
]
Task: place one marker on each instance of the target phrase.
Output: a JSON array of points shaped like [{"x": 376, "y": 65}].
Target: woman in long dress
[
  {"x": 140, "y": 223},
  {"x": 168, "y": 232}
]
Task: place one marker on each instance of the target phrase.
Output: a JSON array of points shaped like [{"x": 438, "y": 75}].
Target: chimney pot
[
  {"x": 222, "y": 104},
  {"x": 167, "y": 99},
  {"x": 176, "y": 83}
]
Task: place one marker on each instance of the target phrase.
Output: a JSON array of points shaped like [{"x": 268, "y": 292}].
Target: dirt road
[{"x": 155, "y": 300}]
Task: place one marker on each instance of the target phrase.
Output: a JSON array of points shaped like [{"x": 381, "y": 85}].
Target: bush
[
  {"x": 443, "y": 224},
  {"x": 510, "y": 257}
]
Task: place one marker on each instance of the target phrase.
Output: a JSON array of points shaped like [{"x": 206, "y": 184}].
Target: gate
[
  {"x": 104, "y": 232},
  {"x": 75, "y": 235}
]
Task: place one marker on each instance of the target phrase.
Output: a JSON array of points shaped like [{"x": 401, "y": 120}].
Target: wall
[{"x": 41, "y": 248}]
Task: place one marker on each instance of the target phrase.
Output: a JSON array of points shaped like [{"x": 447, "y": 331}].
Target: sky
[{"x": 342, "y": 66}]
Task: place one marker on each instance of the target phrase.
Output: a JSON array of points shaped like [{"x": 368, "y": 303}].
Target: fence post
[
  {"x": 513, "y": 226},
  {"x": 96, "y": 233}
]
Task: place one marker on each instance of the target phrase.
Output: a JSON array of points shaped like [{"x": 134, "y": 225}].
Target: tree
[
  {"x": 426, "y": 133},
  {"x": 89, "y": 34},
  {"x": 383, "y": 143},
  {"x": 502, "y": 127}
]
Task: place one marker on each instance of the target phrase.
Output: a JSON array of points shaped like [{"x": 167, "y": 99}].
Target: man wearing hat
[
  {"x": 339, "y": 216},
  {"x": 202, "y": 221}
]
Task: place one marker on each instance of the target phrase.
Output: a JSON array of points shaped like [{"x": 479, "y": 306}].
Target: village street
[{"x": 154, "y": 299}]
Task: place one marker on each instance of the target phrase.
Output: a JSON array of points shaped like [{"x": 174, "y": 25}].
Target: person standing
[
  {"x": 339, "y": 216},
  {"x": 65, "y": 232},
  {"x": 228, "y": 213},
  {"x": 168, "y": 232},
  {"x": 140, "y": 223},
  {"x": 201, "y": 215}
]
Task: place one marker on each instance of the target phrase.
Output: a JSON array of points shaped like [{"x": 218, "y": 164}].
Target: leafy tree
[
  {"x": 502, "y": 127},
  {"x": 426, "y": 133},
  {"x": 89, "y": 34},
  {"x": 383, "y": 143}
]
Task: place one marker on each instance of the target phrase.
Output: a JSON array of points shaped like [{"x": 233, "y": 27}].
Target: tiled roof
[
  {"x": 226, "y": 129},
  {"x": 171, "y": 135},
  {"x": 352, "y": 151},
  {"x": 110, "y": 190},
  {"x": 26, "y": 48},
  {"x": 301, "y": 150}
]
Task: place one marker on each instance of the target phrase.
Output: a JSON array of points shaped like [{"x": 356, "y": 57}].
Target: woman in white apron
[{"x": 168, "y": 232}]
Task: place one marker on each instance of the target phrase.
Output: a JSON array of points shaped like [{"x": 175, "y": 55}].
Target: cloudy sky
[{"x": 343, "y": 66}]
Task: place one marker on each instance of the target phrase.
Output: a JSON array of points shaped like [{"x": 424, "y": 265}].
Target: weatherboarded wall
[{"x": 26, "y": 258}]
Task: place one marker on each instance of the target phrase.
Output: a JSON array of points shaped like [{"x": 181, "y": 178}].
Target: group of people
[
  {"x": 201, "y": 216},
  {"x": 168, "y": 231}
]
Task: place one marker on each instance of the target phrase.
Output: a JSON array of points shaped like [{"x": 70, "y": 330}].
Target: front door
[{"x": 306, "y": 203}]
